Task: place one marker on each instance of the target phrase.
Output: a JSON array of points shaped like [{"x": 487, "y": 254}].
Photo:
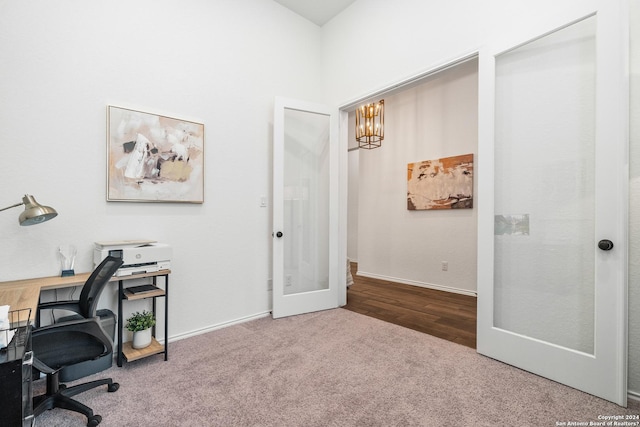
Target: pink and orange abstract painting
[{"x": 445, "y": 183}]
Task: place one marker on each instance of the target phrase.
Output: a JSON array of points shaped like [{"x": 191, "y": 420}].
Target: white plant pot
[{"x": 141, "y": 339}]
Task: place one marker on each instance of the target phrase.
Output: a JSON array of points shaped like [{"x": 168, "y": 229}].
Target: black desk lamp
[{"x": 34, "y": 212}]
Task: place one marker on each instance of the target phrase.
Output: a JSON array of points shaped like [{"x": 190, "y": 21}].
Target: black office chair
[
  {"x": 77, "y": 340},
  {"x": 87, "y": 304},
  {"x": 63, "y": 344}
]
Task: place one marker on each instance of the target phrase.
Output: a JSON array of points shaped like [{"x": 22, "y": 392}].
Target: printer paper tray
[{"x": 138, "y": 269}]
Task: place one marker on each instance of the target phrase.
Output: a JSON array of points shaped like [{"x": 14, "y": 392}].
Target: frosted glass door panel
[
  {"x": 544, "y": 251},
  {"x": 306, "y": 201}
]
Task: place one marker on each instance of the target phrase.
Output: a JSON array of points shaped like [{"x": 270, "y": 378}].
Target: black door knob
[
  {"x": 279, "y": 234},
  {"x": 605, "y": 245}
]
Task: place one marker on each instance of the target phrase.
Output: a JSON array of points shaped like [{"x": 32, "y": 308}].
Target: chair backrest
[{"x": 95, "y": 284}]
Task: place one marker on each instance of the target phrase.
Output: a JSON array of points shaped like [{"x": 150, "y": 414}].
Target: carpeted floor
[{"x": 333, "y": 368}]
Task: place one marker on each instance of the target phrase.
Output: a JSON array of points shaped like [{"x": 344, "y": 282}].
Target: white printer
[{"x": 138, "y": 256}]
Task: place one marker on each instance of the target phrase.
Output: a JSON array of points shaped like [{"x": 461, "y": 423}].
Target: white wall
[
  {"x": 414, "y": 36},
  {"x": 353, "y": 159},
  {"x": 634, "y": 213},
  {"x": 352, "y": 217},
  {"x": 438, "y": 118},
  {"x": 217, "y": 62}
]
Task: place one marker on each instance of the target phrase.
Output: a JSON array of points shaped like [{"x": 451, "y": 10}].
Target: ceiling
[{"x": 317, "y": 11}]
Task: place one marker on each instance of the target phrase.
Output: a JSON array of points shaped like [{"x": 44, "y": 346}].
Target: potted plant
[{"x": 140, "y": 324}]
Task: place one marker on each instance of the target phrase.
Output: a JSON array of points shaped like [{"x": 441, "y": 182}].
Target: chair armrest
[
  {"x": 71, "y": 305},
  {"x": 42, "y": 367},
  {"x": 57, "y": 305}
]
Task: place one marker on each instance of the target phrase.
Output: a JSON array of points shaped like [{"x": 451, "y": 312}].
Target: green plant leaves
[{"x": 140, "y": 321}]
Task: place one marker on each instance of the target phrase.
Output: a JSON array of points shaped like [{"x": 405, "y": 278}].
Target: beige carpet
[{"x": 333, "y": 368}]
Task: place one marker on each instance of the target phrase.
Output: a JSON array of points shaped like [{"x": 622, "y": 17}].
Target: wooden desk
[
  {"x": 20, "y": 298},
  {"x": 23, "y": 294}
]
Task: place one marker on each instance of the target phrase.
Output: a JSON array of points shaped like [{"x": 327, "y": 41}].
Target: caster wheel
[
  {"x": 113, "y": 387},
  {"x": 94, "y": 420}
]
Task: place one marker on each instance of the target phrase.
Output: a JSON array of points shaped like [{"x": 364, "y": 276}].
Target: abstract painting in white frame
[{"x": 153, "y": 158}]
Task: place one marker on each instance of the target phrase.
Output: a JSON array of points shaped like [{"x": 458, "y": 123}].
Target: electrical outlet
[
  {"x": 445, "y": 265},
  {"x": 288, "y": 280}
]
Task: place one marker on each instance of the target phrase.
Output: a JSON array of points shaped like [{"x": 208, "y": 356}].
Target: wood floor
[{"x": 443, "y": 314}]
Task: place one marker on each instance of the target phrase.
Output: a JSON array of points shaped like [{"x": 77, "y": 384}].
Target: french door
[
  {"x": 305, "y": 208},
  {"x": 552, "y": 219}
]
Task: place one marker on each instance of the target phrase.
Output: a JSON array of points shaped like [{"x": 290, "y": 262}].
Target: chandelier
[{"x": 370, "y": 125}]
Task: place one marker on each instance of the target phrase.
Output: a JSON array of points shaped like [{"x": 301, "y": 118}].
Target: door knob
[{"x": 605, "y": 245}]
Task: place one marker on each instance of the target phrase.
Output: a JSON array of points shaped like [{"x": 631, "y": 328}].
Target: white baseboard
[
  {"x": 218, "y": 326},
  {"x": 420, "y": 284},
  {"x": 633, "y": 395}
]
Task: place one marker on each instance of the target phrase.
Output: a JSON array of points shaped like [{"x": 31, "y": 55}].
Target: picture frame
[
  {"x": 445, "y": 183},
  {"x": 153, "y": 158}
]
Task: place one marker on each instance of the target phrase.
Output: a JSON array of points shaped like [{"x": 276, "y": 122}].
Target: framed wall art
[
  {"x": 153, "y": 158},
  {"x": 445, "y": 183}
]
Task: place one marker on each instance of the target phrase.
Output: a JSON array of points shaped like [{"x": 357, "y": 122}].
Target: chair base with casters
[
  {"x": 59, "y": 396},
  {"x": 64, "y": 344}
]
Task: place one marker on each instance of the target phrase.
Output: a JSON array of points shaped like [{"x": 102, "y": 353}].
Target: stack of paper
[{"x": 6, "y": 333}]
